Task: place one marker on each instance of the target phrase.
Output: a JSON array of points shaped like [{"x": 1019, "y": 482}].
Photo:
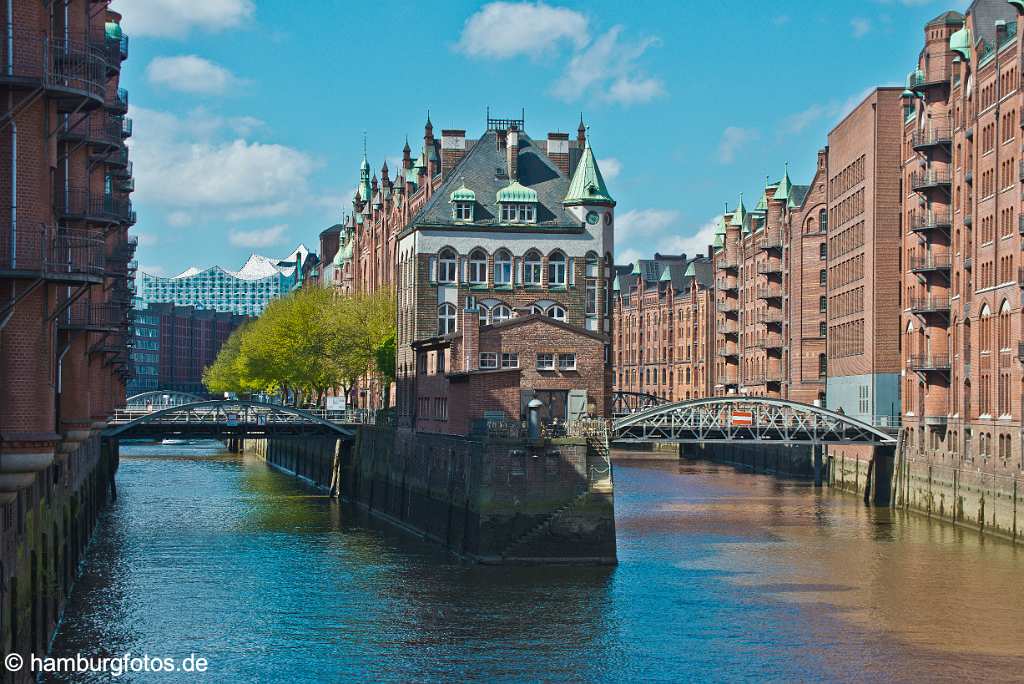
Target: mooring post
[{"x": 817, "y": 449}]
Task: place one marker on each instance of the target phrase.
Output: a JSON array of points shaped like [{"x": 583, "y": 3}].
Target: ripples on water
[{"x": 723, "y": 576}]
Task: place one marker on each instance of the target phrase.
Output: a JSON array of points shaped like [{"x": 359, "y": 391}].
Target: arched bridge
[
  {"x": 220, "y": 419},
  {"x": 745, "y": 419},
  {"x": 627, "y": 403},
  {"x": 161, "y": 398}
]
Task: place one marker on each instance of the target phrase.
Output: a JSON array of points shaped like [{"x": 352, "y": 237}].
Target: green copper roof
[
  {"x": 690, "y": 270},
  {"x": 463, "y": 194},
  {"x": 615, "y": 284},
  {"x": 740, "y": 214},
  {"x": 762, "y": 204},
  {"x": 113, "y": 30},
  {"x": 514, "y": 192},
  {"x": 636, "y": 268},
  {"x": 666, "y": 275},
  {"x": 587, "y": 186},
  {"x": 1019, "y": 4},
  {"x": 961, "y": 40},
  {"x": 720, "y": 226},
  {"x": 785, "y": 186}
]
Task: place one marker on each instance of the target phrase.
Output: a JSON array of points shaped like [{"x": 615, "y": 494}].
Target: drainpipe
[{"x": 14, "y": 137}]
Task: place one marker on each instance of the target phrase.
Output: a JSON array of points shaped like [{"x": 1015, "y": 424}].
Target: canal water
[{"x": 723, "y": 576}]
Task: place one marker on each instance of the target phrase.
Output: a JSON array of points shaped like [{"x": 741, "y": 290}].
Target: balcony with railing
[
  {"x": 771, "y": 240},
  {"x": 726, "y": 262},
  {"x": 98, "y": 129},
  {"x": 770, "y": 317},
  {"x": 84, "y": 205},
  {"x": 727, "y": 307},
  {"x": 118, "y": 102},
  {"x": 727, "y": 285},
  {"x": 934, "y": 76},
  {"x": 930, "y": 180},
  {"x": 930, "y": 304},
  {"x": 931, "y": 263},
  {"x": 729, "y": 328},
  {"x": 924, "y": 221},
  {"x": 769, "y": 292},
  {"x": 769, "y": 268},
  {"x": 929, "y": 363},
  {"x": 933, "y": 137},
  {"x": 729, "y": 378},
  {"x": 51, "y": 252},
  {"x": 75, "y": 72},
  {"x": 84, "y": 315},
  {"x": 770, "y": 342},
  {"x": 728, "y": 350}
]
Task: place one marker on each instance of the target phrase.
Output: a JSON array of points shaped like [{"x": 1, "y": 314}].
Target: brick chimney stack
[
  {"x": 512, "y": 152},
  {"x": 453, "y": 149},
  {"x": 558, "y": 151},
  {"x": 470, "y": 337}
]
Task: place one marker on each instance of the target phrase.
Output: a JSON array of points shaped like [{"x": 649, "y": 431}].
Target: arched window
[
  {"x": 556, "y": 312},
  {"x": 446, "y": 319},
  {"x": 593, "y": 265},
  {"x": 532, "y": 268},
  {"x": 822, "y": 277},
  {"x": 502, "y": 267},
  {"x": 823, "y": 221},
  {"x": 446, "y": 269},
  {"x": 500, "y": 313},
  {"x": 823, "y": 251},
  {"x": 1004, "y": 325},
  {"x": 556, "y": 270},
  {"x": 986, "y": 329},
  {"x": 822, "y": 366},
  {"x": 478, "y": 267}
]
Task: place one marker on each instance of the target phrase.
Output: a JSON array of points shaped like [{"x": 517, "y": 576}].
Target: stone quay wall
[
  {"x": 489, "y": 500},
  {"x": 45, "y": 528}
]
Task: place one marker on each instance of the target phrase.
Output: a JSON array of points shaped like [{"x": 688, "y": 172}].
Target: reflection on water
[{"x": 722, "y": 576}]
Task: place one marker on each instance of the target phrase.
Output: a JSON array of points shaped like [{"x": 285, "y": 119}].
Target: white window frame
[
  {"x": 510, "y": 360},
  {"x": 447, "y": 267},
  {"x": 503, "y": 267},
  {"x": 591, "y": 297},
  {"x": 567, "y": 361},
  {"x": 447, "y": 320},
  {"x": 492, "y": 314},
  {"x": 533, "y": 269},
  {"x": 545, "y": 361},
  {"x": 488, "y": 360},
  {"x": 556, "y": 311},
  {"x": 463, "y": 211},
  {"x": 477, "y": 268},
  {"x": 557, "y": 270}
]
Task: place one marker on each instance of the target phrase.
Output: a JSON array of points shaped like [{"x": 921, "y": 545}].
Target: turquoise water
[{"x": 723, "y": 576}]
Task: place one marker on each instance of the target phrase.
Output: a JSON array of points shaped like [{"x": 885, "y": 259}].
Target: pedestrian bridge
[
  {"x": 224, "y": 419},
  {"x": 159, "y": 399},
  {"x": 735, "y": 419}
]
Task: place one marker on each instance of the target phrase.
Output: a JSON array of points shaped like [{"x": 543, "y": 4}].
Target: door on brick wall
[
  {"x": 577, "y": 406},
  {"x": 556, "y": 403}
]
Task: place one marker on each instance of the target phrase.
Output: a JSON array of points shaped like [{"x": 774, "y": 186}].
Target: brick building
[
  {"x": 506, "y": 268},
  {"x": 174, "y": 344},
  {"x": 864, "y": 259},
  {"x": 664, "y": 315},
  {"x": 962, "y": 171},
  {"x": 770, "y": 281},
  {"x": 66, "y": 281}
]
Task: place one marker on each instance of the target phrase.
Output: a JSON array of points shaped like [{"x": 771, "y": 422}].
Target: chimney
[
  {"x": 500, "y": 138},
  {"x": 470, "y": 336},
  {"x": 453, "y": 149},
  {"x": 512, "y": 152},
  {"x": 558, "y": 151}
]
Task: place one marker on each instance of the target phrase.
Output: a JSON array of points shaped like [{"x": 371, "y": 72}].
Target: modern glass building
[{"x": 245, "y": 292}]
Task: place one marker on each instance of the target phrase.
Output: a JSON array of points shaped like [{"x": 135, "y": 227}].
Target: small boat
[{"x": 174, "y": 441}]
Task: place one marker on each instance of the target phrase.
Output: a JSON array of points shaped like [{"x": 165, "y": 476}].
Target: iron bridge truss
[
  {"x": 627, "y": 403},
  {"x": 161, "y": 398},
  {"x": 745, "y": 419},
  {"x": 220, "y": 418}
]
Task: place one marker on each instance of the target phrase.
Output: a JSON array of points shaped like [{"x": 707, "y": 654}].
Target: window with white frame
[
  {"x": 509, "y": 360},
  {"x": 500, "y": 313},
  {"x": 502, "y": 267},
  {"x": 556, "y": 270},
  {"x": 545, "y": 362},
  {"x": 556, "y": 312},
  {"x": 446, "y": 319},
  {"x": 462, "y": 211},
  {"x": 567, "y": 362},
  {"x": 593, "y": 265},
  {"x": 591, "y": 297},
  {"x": 513, "y": 212},
  {"x": 532, "y": 268},
  {"x": 446, "y": 266},
  {"x": 488, "y": 359},
  {"x": 478, "y": 267}
]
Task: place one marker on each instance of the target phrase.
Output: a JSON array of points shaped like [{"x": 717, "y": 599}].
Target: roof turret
[
  {"x": 515, "y": 192},
  {"x": 587, "y": 186},
  {"x": 785, "y": 186}
]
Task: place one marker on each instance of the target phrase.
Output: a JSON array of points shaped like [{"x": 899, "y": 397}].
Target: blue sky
[{"x": 249, "y": 114}]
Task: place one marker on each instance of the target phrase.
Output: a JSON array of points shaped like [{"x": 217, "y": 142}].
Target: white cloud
[
  {"x": 179, "y": 219},
  {"x": 733, "y": 138},
  {"x": 266, "y": 237},
  {"x": 610, "y": 167},
  {"x": 153, "y": 269},
  {"x": 175, "y": 19},
  {"x": 609, "y": 65},
  {"x": 191, "y": 74},
  {"x": 507, "y": 29},
  {"x": 861, "y": 27},
  {"x": 655, "y": 229},
  {"x": 833, "y": 110},
  {"x": 191, "y": 166},
  {"x": 147, "y": 239}
]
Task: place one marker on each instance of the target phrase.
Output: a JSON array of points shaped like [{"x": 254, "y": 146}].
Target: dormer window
[
  {"x": 463, "y": 200},
  {"x": 518, "y": 203}
]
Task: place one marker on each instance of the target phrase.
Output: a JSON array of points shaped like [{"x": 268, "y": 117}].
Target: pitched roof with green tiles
[
  {"x": 739, "y": 215},
  {"x": 587, "y": 185}
]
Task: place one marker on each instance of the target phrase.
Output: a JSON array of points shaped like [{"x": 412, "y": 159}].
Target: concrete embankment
[
  {"x": 47, "y": 517},
  {"x": 489, "y": 500}
]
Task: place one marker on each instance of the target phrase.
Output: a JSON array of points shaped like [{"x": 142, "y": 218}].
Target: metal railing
[
  {"x": 729, "y": 328},
  {"x": 76, "y": 203},
  {"x": 119, "y": 102},
  {"x": 770, "y": 317},
  {"x": 933, "y": 136},
  {"x": 508, "y": 430},
  {"x": 933, "y": 76},
  {"x": 929, "y": 304},
  {"x": 770, "y": 342},
  {"x": 727, "y": 262},
  {"x": 90, "y": 316},
  {"x": 929, "y": 179},
  {"x": 769, "y": 292},
  {"x": 54, "y": 63},
  {"x": 931, "y": 262},
  {"x": 769, "y": 268},
  {"x": 771, "y": 240},
  {"x": 50, "y": 250},
  {"x": 929, "y": 362},
  {"x": 929, "y": 220},
  {"x": 728, "y": 350},
  {"x": 727, "y": 307}
]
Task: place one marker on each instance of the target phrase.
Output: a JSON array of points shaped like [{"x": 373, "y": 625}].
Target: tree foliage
[{"x": 308, "y": 342}]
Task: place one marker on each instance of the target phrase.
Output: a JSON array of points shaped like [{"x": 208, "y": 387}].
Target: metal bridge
[
  {"x": 745, "y": 419},
  {"x": 627, "y": 403},
  {"x": 222, "y": 419},
  {"x": 157, "y": 399}
]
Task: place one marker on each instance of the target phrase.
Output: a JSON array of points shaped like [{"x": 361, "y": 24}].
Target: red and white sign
[{"x": 743, "y": 418}]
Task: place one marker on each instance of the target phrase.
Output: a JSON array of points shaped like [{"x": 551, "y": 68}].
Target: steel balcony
[
  {"x": 84, "y": 205},
  {"x": 934, "y": 137},
  {"x": 728, "y": 307},
  {"x": 50, "y": 252},
  {"x": 119, "y": 102},
  {"x": 929, "y": 362},
  {"x": 769, "y": 292},
  {"x": 73, "y": 73},
  {"x": 93, "y": 317},
  {"x": 772, "y": 240},
  {"x": 931, "y": 304},
  {"x": 921, "y": 222},
  {"x": 930, "y": 180},
  {"x": 769, "y": 268},
  {"x": 935, "y": 77},
  {"x": 931, "y": 263},
  {"x": 770, "y": 317}
]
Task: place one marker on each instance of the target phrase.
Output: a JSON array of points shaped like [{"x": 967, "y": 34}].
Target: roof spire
[
  {"x": 785, "y": 186},
  {"x": 587, "y": 185}
]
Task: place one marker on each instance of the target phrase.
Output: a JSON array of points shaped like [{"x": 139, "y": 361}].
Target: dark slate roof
[
  {"x": 333, "y": 230},
  {"x": 479, "y": 170},
  {"x": 950, "y": 17},
  {"x": 985, "y": 13},
  {"x": 652, "y": 270},
  {"x": 799, "y": 194}
]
